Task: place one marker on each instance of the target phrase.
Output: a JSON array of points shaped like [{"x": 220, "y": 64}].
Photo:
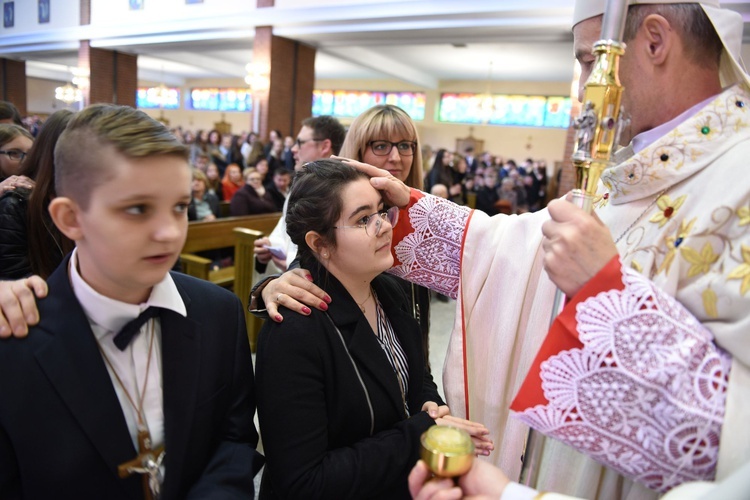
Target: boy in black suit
[{"x": 137, "y": 382}]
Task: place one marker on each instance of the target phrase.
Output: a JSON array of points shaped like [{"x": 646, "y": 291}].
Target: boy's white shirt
[{"x": 107, "y": 317}]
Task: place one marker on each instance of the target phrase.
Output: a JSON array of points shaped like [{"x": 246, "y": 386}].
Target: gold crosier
[{"x": 598, "y": 130}]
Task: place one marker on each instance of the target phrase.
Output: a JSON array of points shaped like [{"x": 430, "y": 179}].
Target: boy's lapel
[
  {"x": 180, "y": 340},
  {"x": 74, "y": 366}
]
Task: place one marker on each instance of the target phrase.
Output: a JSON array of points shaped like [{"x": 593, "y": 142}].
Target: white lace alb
[
  {"x": 645, "y": 394},
  {"x": 431, "y": 255}
]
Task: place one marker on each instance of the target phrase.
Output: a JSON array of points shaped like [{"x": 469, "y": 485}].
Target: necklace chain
[
  {"x": 139, "y": 407},
  {"x": 361, "y": 304},
  {"x": 640, "y": 216}
]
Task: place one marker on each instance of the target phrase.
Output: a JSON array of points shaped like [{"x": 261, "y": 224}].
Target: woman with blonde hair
[{"x": 385, "y": 136}]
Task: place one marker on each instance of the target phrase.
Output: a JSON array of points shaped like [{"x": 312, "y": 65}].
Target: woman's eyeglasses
[
  {"x": 14, "y": 154},
  {"x": 373, "y": 223},
  {"x": 383, "y": 148}
]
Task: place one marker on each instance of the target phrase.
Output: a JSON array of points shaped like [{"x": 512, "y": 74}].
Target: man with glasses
[{"x": 319, "y": 137}]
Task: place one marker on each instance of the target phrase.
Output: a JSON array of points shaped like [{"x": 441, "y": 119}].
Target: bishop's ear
[
  {"x": 660, "y": 37},
  {"x": 65, "y": 214}
]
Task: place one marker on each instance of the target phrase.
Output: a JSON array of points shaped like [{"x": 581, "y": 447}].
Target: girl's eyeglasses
[{"x": 373, "y": 223}]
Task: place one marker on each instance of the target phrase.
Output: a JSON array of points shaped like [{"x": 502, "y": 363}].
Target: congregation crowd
[{"x": 262, "y": 171}]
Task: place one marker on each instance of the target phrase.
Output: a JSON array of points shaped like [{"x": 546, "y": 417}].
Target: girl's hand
[
  {"x": 435, "y": 411},
  {"x": 480, "y": 435}
]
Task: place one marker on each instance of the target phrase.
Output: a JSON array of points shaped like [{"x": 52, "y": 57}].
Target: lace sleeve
[
  {"x": 645, "y": 394},
  {"x": 428, "y": 246}
]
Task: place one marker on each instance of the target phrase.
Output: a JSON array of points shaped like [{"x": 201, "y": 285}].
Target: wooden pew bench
[
  {"x": 240, "y": 233},
  {"x": 216, "y": 234}
]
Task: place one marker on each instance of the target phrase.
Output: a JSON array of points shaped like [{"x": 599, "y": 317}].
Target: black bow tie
[{"x": 132, "y": 327}]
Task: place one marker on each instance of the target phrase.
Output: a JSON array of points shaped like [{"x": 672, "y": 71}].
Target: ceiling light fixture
[
  {"x": 74, "y": 91},
  {"x": 258, "y": 77}
]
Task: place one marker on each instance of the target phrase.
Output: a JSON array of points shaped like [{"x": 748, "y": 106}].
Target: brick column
[
  {"x": 113, "y": 76},
  {"x": 292, "y": 76},
  {"x": 13, "y": 83}
]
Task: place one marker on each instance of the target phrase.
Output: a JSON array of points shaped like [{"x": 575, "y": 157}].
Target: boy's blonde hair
[
  {"x": 381, "y": 123},
  {"x": 83, "y": 152}
]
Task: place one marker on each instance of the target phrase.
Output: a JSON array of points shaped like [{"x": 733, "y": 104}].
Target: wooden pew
[
  {"x": 240, "y": 233},
  {"x": 212, "y": 235},
  {"x": 245, "y": 276},
  {"x": 223, "y": 209}
]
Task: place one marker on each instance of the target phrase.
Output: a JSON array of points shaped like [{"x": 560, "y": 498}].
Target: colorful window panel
[
  {"x": 221, "y": 99},
  {"x": 351, "y": 103},
  {"x": 508, "y": 110},
  {"x": 158, "y": 97}
]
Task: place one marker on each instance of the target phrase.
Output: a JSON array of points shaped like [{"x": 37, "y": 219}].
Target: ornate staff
[
  {"x": 601, "y": 122},
  {"x": 597, "y": 135}
]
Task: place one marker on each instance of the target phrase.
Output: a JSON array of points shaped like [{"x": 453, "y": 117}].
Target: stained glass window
[
  {"x": 221, "y": 99},
  {"x": 351, "y": 103},
  {"x": 508, "y": 110},
  {"x": 158, "y": 97}
]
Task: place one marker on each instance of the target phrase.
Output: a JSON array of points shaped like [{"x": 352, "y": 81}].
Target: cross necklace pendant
[{"x": 148, "y": 462}]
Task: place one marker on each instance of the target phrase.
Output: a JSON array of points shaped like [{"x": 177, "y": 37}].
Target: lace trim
[
  {"x": 646, "y": 393},
  {"x": 431, "y": 255}
]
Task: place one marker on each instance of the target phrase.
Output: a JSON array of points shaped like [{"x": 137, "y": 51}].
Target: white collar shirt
[{"x": 107, "y": 317}]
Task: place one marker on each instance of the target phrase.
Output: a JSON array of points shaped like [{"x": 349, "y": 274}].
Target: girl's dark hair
[
  {"x": 47, "y": 245},
  {"x": 315, "y": 203}
]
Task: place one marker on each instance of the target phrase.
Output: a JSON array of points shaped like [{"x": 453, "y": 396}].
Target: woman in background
[
  {"x": 253, "y": 197},
  {"x": 261, "y": 166},
  {"x": 15, "y": 142},
  {"x": 199, "y": 146},
  {"x": 232, "y": 181},
  {"x": 440, "y": 173},
  {"x": 204, "y": 205},
  {"x": 30, "y": 242},
  {"x": 213, "y": 180}
]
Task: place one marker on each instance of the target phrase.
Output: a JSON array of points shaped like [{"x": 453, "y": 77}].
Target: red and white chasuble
[{"x": 647, "y": 370}]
